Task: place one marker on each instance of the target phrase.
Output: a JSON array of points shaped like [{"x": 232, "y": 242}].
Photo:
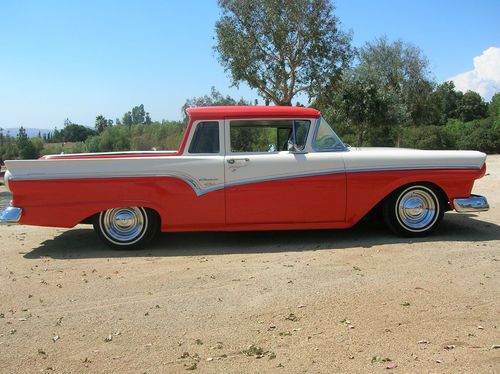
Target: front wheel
[
  {"x": 127, "y": 227},
  {"x": 414, "y": 210}
]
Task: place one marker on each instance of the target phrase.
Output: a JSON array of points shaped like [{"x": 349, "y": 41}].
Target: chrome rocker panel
[
  {"x": 10, "y": 215},
  {"x": 473, "y": 203}
]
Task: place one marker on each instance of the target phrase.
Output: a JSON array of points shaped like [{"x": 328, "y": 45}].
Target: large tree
[
  {"x": 138, "y": 114},
  {"x": 101, "y": 123},
  {"x": 404, "y": 71},
  {"x": 366, "y": 108},
  {"x": 472, "y": 106},
  {"x": 282, "y": 48},
  {"x": 444, "y": 102}
]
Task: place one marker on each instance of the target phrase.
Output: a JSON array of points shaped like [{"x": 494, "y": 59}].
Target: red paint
[
  {"x": 367, "y": 189},
  {"x": 238, "y": 112},
  {"x": 319, "y": 198},
  {"x": 327, "y": 201}
]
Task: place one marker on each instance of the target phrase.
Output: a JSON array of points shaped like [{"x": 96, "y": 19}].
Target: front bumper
[
  {"x": 473, "y": 203},
  {"x": 10, "y": 215}
]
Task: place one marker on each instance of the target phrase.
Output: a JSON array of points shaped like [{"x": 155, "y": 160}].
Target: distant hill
[{"x": 32, "y": 132}]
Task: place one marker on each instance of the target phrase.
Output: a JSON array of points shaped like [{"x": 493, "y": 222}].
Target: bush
[{"x": 427, "y": 137}]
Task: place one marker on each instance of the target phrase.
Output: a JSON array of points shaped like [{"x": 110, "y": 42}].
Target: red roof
[{"x": 219, "y": 112}]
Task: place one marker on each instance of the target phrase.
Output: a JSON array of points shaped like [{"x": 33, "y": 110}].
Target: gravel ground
[{"x": 358, "y": 300}]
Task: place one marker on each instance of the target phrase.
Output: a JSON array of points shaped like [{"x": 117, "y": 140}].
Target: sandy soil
[{"x": 358, "y": 300}]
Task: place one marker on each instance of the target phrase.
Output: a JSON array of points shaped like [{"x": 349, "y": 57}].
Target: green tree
[
  {"x": 26, "y": 148},
  {"x": 282, "y": 48},
  {"x": 138, "y": 114},
  {"x": 366, "y": 108},
  {"x": 404, "y": 71},
  {"x": 75, "y": 133},
  {"x": 494, "y": 108},
  {"x": 472, "y": 106},
  {"x": 127, "y": 119},
  {"x": 8, "y": 147},
  {"x": 101, "y": 123},
  {"x": 444, "y": 102}
]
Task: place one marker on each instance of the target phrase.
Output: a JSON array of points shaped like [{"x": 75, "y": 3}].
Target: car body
[{"x": 244, "y": 168}]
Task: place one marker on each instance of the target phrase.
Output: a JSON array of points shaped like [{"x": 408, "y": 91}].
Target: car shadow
[{"x": 83, "y": 243}]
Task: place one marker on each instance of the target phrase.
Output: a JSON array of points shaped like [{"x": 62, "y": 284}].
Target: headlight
[{"x": 6, "y": 178}]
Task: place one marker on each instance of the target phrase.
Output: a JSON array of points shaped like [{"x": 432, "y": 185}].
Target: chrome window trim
[{"x": 313, "y": 143}]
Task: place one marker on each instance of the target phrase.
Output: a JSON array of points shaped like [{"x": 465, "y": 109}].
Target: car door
[{"x": 266, "y": 183}]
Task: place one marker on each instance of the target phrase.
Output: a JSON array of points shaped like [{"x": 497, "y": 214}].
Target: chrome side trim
[
  {"x": 10, "y": 215},
  {"x": 473, "y": 203}
]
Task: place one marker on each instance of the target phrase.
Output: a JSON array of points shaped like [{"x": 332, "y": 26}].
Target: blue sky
[{"x": 78, "y": 59}]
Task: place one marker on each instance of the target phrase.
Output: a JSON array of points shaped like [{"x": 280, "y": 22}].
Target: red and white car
[{"x": 244, "y": 168}]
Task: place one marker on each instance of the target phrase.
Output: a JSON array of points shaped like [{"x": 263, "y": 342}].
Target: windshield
[{"x": 326, "y": 139}]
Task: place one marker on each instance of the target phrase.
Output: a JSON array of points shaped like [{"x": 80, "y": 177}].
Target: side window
[
  {"x": 205, "y": 138},
  {"x": 256, "y": 136},
  {"x": 326, "y": 139}
]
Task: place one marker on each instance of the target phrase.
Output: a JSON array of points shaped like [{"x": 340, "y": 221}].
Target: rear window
[{"x": 205, "y": 138}]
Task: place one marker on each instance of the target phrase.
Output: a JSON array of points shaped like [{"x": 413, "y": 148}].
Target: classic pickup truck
[{"x": 244, "y": 168}]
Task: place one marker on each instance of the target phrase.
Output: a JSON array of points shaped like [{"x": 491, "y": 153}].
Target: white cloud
[{"x": 485, "y": 78}]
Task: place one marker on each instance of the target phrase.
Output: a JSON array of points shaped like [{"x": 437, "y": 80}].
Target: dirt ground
[{"x": 358, "y": 300}]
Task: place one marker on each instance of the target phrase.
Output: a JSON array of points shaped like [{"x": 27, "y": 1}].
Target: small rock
[
  {"x": 55, "y": 338},
  {"x": 292, "y": 317},
  {"x": 423, "y": 342},
  {"x": 449, "y": 347},
  {"x": 108, "y": 338}
]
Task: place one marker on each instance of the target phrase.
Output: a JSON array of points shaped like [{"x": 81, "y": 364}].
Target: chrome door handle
[{"x": 233, "y": 160}]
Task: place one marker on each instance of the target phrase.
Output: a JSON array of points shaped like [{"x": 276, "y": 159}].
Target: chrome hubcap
[
  {"x": 124, "y": 225},
  {"x": 417, "y": 209}
]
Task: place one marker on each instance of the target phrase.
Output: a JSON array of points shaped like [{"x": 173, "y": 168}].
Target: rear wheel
[
  {"x": 127, "y": 227},
  {"x": 414, "y": 210}
]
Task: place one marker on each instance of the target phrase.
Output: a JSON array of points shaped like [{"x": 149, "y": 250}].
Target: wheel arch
[
  {"x": 376, "y": 208},
  {"x": 442, "y": 196}
]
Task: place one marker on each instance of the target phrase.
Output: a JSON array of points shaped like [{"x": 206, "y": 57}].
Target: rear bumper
[
  {"x": 473, "y": 203},
  {"x": 10, "y": 215}
]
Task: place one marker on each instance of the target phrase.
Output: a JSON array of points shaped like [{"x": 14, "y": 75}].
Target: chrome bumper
[
  {"x": 473, "y": 203},
  {"x": 10, "y": 215}
]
